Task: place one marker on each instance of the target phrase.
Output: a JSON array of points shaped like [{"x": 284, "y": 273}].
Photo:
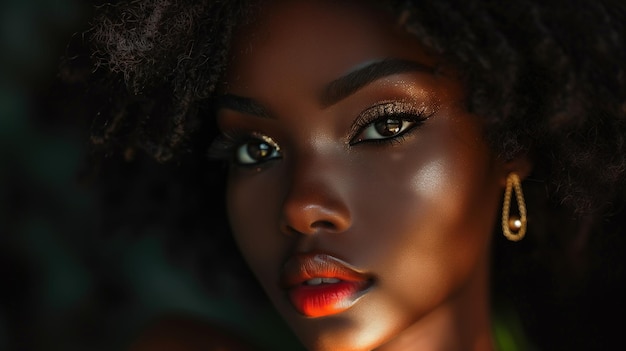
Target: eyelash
[
  {"x": 225, "y": 145},
  {"x": 402, "y": 111}
]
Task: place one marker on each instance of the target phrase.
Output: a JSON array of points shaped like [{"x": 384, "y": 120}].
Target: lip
[{"x": 341, "y": 287}]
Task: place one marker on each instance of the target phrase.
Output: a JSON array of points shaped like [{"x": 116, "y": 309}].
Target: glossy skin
[{"x": 415, "y": 212}]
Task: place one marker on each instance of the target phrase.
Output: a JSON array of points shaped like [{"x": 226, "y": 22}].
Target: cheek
[
  {"x": 436, "y": 234},
  {"x": 253, "y": 219}
]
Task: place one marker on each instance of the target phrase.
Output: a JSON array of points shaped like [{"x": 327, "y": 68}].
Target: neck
[{"x": 460, "y": 324}]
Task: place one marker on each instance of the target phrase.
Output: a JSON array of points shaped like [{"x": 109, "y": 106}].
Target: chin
[{"x": 353, "y": 330}]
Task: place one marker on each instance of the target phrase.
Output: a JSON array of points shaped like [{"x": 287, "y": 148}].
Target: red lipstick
[{"x": 319, "y": 285}]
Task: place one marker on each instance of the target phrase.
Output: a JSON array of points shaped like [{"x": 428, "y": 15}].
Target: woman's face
[{"x": 361, "y": 192}]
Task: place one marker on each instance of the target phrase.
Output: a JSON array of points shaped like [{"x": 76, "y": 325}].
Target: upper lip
[{"x": 302, "y": 267}]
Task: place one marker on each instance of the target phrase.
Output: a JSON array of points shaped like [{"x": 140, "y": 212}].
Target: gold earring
[{"x": 514, "y": 227}]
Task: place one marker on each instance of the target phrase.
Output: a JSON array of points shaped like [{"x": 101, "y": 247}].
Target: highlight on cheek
[
  {"x": 431, "y": 178},
  {"x": 364, "y": 149}
]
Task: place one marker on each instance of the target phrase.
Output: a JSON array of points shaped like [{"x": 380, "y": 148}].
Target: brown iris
[
  {"x": 259, "y": 150},
  {"x": 388, "y": 127}
]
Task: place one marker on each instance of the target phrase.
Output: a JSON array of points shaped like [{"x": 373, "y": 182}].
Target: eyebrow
[
  {"x": 336, "y": 90},
  {"x": 242, "y": 104},
  {"x": 347, "y": 85}
]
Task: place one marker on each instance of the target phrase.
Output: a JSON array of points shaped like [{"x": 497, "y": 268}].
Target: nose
[{"x": 314, "y": 202}]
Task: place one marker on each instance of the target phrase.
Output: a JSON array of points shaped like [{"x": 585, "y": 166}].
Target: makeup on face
[
  {"x": 360, "y": 191},
  {"x": 319, "y": 285}
]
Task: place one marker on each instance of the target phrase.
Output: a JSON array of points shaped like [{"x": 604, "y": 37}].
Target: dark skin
[{"x": 389, "y": 174}]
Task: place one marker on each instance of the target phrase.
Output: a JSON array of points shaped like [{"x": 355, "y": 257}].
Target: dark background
[
  {"x": 72, "y": 281},
  {"x": 66, "y": 283}
]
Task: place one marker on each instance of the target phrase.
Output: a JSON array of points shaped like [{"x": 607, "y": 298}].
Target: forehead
[{"x": 315, "y": 42}]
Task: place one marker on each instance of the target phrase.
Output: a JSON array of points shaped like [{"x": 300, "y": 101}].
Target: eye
[
  {"x": 256, "y": 150},
  {"x": 384, "y": 128},
  {"x": 387, "y": 122}
]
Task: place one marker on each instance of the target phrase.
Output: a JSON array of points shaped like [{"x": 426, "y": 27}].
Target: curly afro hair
[
  {"x": 546, "y": 85},
  {"x": 548, "y": 77}
]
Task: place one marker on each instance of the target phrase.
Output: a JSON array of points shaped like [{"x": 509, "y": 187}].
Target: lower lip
[{"x": 326, "y": 299}]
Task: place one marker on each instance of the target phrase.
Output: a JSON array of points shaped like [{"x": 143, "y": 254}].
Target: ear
[{"x": 520, "y": 164}]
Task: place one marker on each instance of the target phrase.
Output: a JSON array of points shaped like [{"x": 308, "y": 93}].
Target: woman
[{"x": 376, "y": 150}]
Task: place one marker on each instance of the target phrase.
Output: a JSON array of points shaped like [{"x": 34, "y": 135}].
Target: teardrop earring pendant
[{"x": 514, "y": 226}]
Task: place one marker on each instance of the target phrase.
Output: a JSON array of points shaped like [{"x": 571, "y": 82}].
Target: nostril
[
  {"x": 315, "y": 227},
  {"x": 325, "y": 225}
]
